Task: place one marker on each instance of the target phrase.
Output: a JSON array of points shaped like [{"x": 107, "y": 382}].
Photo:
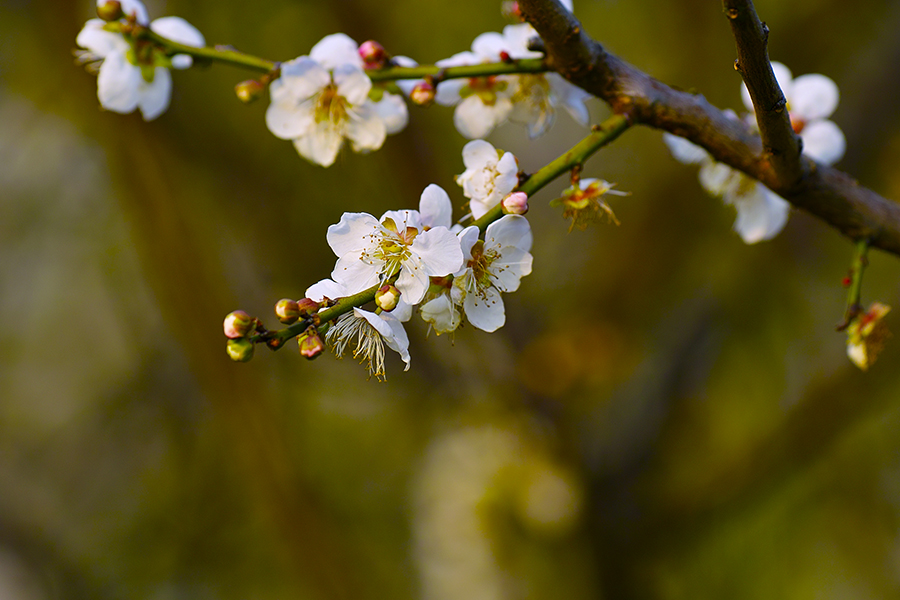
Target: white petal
[
  {"x": 467, "y": 239},
  {"x": 132, "y": 7},
  {"x": 484, "y": 309},
  {"x": 182, "y": 61},
  {"x": 398, "y": 341},
  {"x": 300, "y": 79},
  {"x": 474, "y": 119},
  {"x": 478, "y": 154},
  {"x": 435, "y": 207},
  {"x": 321, "y": 144},
  {"x": 153, "y": 97},
  {"x": 289, "y": 121},
  {"x": 813, "y": 96},
  {"x": 488, "y": 46},
  {"x": 118, "y": 83},
  {"x": 824, "y": 141},
  {"x": 326, "y": 288},
  {"x": 509, "y": 230},
  {"x": 406, "y": 85},
  {"x": 100, "y": 42},
  {"x": 442, "y": 314},
  {"x": 459, "y": 59},
  {"x": 413, "y": 281},
  {"x": 352, "y": 83},
  {"x": 403, "y": 218},
  {"x": 335, "y": 50},
  {"x": 365, "y": 129},
  {"x": 511, "y": 266},
  {"x": 516, "y": 38},
  {"x": 178, "y": 30},
  {"x": 573, "y": 97},
  {"x": 684, "y": 151},
  {"x": 403, "y": 311},
  {"x": 440, "y": 251},
  {"x": 391, "y": 109},
  {"x": 353, "y": 232},
  {"x": 761, "y": 214},
  {"x": 716, "y": 177},
  {"x": 354, "y": 274},
  {"x": 447, "y": 92}
]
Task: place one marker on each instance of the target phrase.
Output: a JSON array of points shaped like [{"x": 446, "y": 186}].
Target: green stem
[
  {"x": 254, "y": 63},
  {"x": 860, "y": 262},
  {"x": 600, "y": 136}
]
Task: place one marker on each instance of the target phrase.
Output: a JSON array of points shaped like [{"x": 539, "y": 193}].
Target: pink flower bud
[
  {"x": 311, "y": 345},
  {"x": 110, "y": 11},
  {"x": 248, "y": 91},
  {"x": 307, "y": 307},
  {"x": 287, "y": 311},
  {"x": 387, "y": 297},
  {"x": 422, "y": 94},
  {"x": 240, "y": 350},
  {"x": 515, "y": 203},
  {"x": 373, "y": 54},
  {"x": 238, "y": 324}
]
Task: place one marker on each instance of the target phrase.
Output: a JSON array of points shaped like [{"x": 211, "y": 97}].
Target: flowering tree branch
[
  {"x": 825, "y": 192},
  {"x": 782, "y": 146}
]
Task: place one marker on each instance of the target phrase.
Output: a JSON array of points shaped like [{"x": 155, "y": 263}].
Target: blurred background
[{"x": 667, "y": 414}]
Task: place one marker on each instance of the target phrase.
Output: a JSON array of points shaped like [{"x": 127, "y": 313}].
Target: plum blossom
[
  {"x": 583, "y": 202},
  {"x": 322, "y": 99},
  {"x": 413, "y": 245},
  {"x": 492, "y": 266},
  {"x": 371, "y": 331},
  {"x": 811, "y": 99},
  {"x": 489, "y": 176},
  {"x": 482, "y": 103},
  {"x": 762, "y": 213},
  {"x": 133, "y": 73}
]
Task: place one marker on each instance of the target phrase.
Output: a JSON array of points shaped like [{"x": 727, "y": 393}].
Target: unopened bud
[
  {"x": 240, "y": 350},
  {"x": 287, "y": 311},
  {"x": 238, "y": 324},
  {"x": 422, "y": 94},
  {"x": 311, "y": 345},
  {"x": 510, "y": 9},
  {"x": 307, "y": 307},
  {"x": 373, "y": 54},
  {"x": 248, "y": 91},
  {"x": 505, "y": 57},
  {"x": 515, "y": 204},
  {"x": 387, "y": 297},
  {"x": 110, "y": 11}
]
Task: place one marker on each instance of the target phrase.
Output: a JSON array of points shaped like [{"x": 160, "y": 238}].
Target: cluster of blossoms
[
  {"x": 132, "y": 72},
  {"x": 321, "y": 99},
  {"x": 415, "y": 259},
  {"x": 762, "y": 214}
]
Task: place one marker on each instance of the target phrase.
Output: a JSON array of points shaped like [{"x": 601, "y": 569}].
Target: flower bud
[
  {"x": 287, "y": 311},
  {"x": 373, "y": 54},
  {"x": 238, "y": 324},
  {"x": 307, "y": 307},
  {"x": 248, "y": 91},
  {"x": 422, "y": 94},
  {"x": 239, "y": 350},
  {"x": 515, "y": 204},
  {"x": 311, "y": 345},
  {"x": 110, "y": 11},
  {"x": 387, "y": 297}
]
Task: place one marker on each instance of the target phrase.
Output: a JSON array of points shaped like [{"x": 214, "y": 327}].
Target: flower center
[
  {"x": 480, "y": 265},
  {"x": 485, "y": 88},
  {"x": 331, "y": 106},
  {"x": 393, "y": 248}
]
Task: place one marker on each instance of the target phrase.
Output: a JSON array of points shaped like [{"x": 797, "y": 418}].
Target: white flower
[
  {"x": 489, "y": 176},
  {"x": 321, "y": 99},
  {"x": 409, "y": 243},
  {"x": 761, "y": 213},
  {"x": 372, "y": 331},
  {"x": 493, "y": 266},
  {"x": 811, "y": 99},
  {"x": 136, "y": 76},
  {"x": 481, "y": 103}
]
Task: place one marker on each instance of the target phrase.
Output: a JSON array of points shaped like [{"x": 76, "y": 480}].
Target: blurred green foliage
[{"x": 667, "y": 414}]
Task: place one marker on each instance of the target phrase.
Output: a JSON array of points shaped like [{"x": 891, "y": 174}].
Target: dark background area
[{"x": 667, "y": 414}]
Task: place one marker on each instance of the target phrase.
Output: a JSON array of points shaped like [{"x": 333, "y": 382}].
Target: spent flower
[{"x": 867, "y": 334}]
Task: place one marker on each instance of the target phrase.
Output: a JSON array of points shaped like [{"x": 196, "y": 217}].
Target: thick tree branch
[
  {"x": 781, "y": 145},
  {"x": 823, "y": 191}
]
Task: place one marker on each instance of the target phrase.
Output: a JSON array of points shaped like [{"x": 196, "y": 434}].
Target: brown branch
[
  {"x": 781, "y": 145},
  {"x": 822, "y": 191}
]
